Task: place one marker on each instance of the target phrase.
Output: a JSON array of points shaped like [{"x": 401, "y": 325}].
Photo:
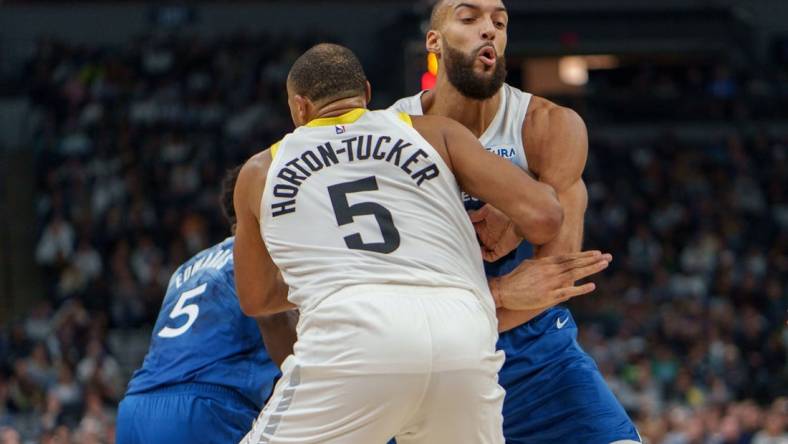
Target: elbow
[
  {"x": 546, "y": 220},
  {"x": 264, "y": 298},
  {"x": 549, "y": 223},
  {"x": 255, "y": 305},
  {"x": 251, "y": 308}
]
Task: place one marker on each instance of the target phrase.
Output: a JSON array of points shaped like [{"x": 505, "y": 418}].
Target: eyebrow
[{"x": 468, "y": 5}]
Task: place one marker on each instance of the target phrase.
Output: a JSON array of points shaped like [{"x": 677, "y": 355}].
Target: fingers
[
  {"x": 567, "y": 293},
  {"x": 491, "y": 255},
  {"x": 581, "y": 262},
  {"x": 487, "y": 239},
  {"x": 480, "y": 214},
  {"x": 587, "y": 270},
  {"x": 560, "y": 259}
]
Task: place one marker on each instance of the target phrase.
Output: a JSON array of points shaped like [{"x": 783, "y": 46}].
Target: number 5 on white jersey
[{"x": 182, "y": 309}]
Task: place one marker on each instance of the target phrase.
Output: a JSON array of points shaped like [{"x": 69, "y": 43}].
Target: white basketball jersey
[
  {"x": 363, "y": 198},
  {"x": 504, "y": 136}
]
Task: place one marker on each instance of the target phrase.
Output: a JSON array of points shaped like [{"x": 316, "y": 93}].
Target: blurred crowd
[
  {"x": 705, "y": 91},
  {"x": 688, "y": 325},
  {"x": 131, "y": 144}
]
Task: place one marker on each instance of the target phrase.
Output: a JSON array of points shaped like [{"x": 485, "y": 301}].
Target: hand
[
  {"x": 496, "y": 232},
  {"x": 542, "y": 283}
]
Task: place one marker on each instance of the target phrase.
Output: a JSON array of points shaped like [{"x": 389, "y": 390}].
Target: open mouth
[{"x": 487, "y": 56}]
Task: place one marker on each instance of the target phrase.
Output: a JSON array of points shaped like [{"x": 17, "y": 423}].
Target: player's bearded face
[{"x": 462, "y": 72}]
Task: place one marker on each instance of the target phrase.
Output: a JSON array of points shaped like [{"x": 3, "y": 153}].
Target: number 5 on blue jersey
[{"x": 180, "y": 309}]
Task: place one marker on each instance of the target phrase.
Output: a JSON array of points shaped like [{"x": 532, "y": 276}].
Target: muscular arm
[
  {"x": 261, "y": 289},
  {"x": 558, "y": 158},
  {"x": 556, "y": 143},
  {"x": 532, "y": 206}
]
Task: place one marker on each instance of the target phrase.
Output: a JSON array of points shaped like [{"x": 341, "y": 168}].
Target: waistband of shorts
[
  {"x": 539, "y": 324},
  {"x": 403, "y": 289},
  {"x": 197, "y": 388},
  {"x": 538, "y": 318}
]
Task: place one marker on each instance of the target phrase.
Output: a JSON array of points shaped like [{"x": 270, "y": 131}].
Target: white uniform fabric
[
  {"x": 336, "y": 191},
  {"x": 397, "y": 330},
  {"x": 504, "y": 136},
  {"x": 375, "y": 362}
]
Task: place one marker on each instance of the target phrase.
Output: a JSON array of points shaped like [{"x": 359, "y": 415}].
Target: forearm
[
  {"x": 570, "y": 237},
  {"x": 263, "y": 297},
  {"x": 568, "y": 240},
  {"x": 278, "y": 296},
  {"x": 507, "y": 318},
  {"x": 541, "y": 217},
  {"x": 279, "y": 334}
]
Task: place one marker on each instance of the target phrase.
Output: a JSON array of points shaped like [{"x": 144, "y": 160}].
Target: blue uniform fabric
[
  {"x": 554, "y": 390},
  {"x": 184, "y": 413},
  {"x": 204, "y": 351}
]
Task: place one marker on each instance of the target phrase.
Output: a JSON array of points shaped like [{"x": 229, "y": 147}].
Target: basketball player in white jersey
[
  {"x": 554, "y": 391},
  {"x": 361, "y": 212}
]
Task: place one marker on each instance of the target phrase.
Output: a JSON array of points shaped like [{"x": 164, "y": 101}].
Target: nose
[{"x": 488, "y": 30}]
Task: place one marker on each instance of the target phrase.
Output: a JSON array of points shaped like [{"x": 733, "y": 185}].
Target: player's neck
[
  {"x": 339, "y": 107},
  {"x": 445, "y": 100}
]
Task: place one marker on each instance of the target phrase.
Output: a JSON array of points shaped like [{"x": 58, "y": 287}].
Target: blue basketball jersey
[{"x": 201, "y": 335}]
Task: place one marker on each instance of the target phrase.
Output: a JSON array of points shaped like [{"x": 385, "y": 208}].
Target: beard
[{"x": 461, "y": 74}]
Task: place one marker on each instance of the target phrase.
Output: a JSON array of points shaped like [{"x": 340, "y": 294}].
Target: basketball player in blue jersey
[
  {"x": 207, "y": 373},
  {"x": 554, "y": 390}
]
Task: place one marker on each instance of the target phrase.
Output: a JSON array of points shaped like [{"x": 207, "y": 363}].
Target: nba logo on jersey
[{"x": 340, "y": 129}]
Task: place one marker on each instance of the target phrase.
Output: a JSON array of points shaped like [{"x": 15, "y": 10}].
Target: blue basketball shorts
[
  {"x": 184, "y": 413},
  {"x": 554, "y": 390}
]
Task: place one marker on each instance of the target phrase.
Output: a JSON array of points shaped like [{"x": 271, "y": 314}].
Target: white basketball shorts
[{"x": 373, "y": 362}]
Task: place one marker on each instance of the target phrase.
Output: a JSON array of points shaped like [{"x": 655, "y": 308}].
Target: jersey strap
[
  {"x": 275, "y": 149},
  {"x": 405, "y": 117}
]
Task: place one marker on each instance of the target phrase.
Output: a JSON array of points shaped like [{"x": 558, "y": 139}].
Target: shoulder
[
  {"x": 436, "y": 122},
  {"x": 434, "y": 127},
  {"x": 402, "y": 104},
  {"x": 410, "y": 104},
  {"x": 443, "y": 133},
  {"x": 556, "y": 142},
  {"x": 251, "y": 182},
  {"x": 256, "y": 167},
  {"x": 545, "y": 119}
]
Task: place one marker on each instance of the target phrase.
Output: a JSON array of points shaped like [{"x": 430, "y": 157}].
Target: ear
[
  {"x": 301, "y": 109},
  {"x": 433, "y": 42},
  {"x": 369, "y": 92}
]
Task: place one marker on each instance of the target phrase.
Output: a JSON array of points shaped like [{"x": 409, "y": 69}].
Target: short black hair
[
  {"x": 327, "y": 72},
  {"x": 438, "y": 14},
  {"x": 228, "y": 187}
]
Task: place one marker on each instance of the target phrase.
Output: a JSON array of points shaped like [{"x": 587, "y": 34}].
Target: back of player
[
  {"x": 366, "y": 224},
  {"x": 364, "y": 199},
  {"x": 206, "y": 374}
]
